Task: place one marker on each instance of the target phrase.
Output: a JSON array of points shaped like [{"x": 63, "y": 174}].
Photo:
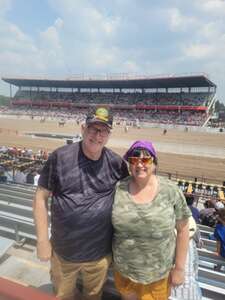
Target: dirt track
[{"x": 208, "y": 160}]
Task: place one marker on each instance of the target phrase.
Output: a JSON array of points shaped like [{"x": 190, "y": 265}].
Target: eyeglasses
[
  {"x": 144, "y": 160},
  {"x": 94, "y": 130}
]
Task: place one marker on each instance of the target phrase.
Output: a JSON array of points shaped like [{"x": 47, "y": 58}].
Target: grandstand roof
[{"x": 158, "y": 82}]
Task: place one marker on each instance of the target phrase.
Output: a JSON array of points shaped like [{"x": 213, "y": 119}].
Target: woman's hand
[{"x": 176, "y": 277}]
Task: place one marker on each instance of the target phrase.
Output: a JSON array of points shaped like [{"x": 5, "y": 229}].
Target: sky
[{"x": 65, "y": 38}]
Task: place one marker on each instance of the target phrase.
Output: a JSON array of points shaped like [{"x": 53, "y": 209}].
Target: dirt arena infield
[{"x": 187, "y": 154}]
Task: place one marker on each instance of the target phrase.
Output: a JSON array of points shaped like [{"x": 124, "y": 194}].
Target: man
[
  {"x": 81, "y": 178},
  {"x": 30, "y": 176}
]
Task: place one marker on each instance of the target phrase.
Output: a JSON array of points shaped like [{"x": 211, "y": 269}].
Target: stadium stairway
[{"x": 17, "y": 226}]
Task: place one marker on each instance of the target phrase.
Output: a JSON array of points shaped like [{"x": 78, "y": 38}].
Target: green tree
[
  {"x": 4, "y": 100},
  {"x": 219, "y": 106}
]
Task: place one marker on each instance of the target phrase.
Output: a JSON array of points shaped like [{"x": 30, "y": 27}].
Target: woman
[{"x": 149, "y": 257}]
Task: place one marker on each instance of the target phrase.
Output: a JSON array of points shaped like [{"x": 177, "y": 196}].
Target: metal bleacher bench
[
  {"x": 5, "y": 244},
  {"x": 16, "y": 218},
  {"x": 17, "y": 224}
]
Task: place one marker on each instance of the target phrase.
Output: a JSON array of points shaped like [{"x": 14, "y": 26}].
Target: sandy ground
[{"x": 186, "y": 154}]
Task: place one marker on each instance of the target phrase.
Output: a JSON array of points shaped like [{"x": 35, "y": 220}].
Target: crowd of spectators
[
  {"x": 21, "y": 165},
  {"x": 189, "y": 118},
  {"x": 23, "y": 153},
  {"x": 212, "y": 215},
  {"x": 22, "y": 175},
  {"x": 74, "y": 105},
  {"x": 156, "y": 98}
]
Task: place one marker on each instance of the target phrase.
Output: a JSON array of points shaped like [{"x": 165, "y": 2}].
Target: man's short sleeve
[
  {"x": 182, "y": 211},
  {"x": 47, "y": 176}
]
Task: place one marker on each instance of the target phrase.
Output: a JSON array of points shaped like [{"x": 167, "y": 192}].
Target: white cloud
[
  {"x": 87, "y": 18},
  {"x": 18, "y": 52},
  {"x": 180, "y": 22},
  {"x": 131, "y": 66},
  {"x": 13, "y": 39},
  {"x": 50, "y": 37},
  {"x": 59, "y": 23},
  {"x": 17, "y": 65},
  {"x": 94, "y": 20},
  {"x": 211, "y": 30},
  {"x": 22, "y": 55},
  {"x": 5, "y": 5},
  {"x": 50, "y": 46},
  {"x": 199, "y": 51},
  {"x": 101, "y": 56},
  {"x": 215, "y": 7}
]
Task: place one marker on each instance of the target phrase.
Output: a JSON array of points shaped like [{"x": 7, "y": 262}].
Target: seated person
[
  {"x": 194, "y": 210},
  {"x": 208, "y": 214},
  {"x": 3, "y": 178},
  {"x": 219, "y": 205},
  {"x": 30, "y": 177},
  {"x": 219, "y": 233}
]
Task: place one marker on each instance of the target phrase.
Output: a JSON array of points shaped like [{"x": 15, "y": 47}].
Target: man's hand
[
  {"x": 176, "y": 277},
  {"x": 44, "y": 250}
]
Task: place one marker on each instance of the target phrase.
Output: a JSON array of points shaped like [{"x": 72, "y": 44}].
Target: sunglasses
[{"x": 144, "y": 160}]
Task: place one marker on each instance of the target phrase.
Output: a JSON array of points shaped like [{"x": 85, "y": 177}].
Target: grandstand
[{"x": 180, "y": 100}]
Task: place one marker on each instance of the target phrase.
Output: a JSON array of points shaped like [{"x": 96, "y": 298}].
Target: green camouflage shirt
[{"x": 144, "y": 237}]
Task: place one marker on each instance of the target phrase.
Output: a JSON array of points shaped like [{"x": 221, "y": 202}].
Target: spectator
[
  {"x": 36, "y": 177},
  {"x": 81, "y": 178},
  {"x": 194, "y": 210},
  {"x": 3, "y": 177},
  {"x": 30, "y": 177},
  {"x": 208, "y": 214},
  {"x": 20, "y": 176},
  {"x": 9, "y": 174},
  {"x": 148, "y": 257},
  {"x": 219, "y": 234}
]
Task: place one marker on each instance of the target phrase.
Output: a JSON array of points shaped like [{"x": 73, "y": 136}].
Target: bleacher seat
[{"x": 5, "y": 244}]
